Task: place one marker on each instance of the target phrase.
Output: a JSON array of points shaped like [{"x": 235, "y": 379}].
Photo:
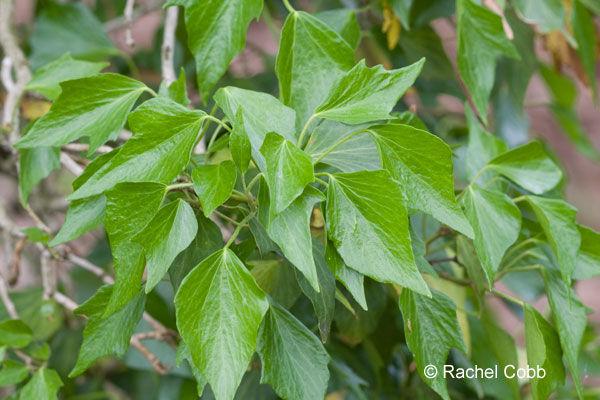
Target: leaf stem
[
  {"x": 509, "y": 298},
  {"x": 238, "y": 229},
  {"x": 481, "y": 171},
  {"x": 152, "y": 92},
  {"x": 518, "y": 247},
  {"x": 253, "y": 181},
  {"x": 225, "y": 217},
  {"x": 518, "y": 199},
  {"x": 337, "y": 144},
  {"x": 287, "y": 5},
  {"x": 518, "y": 269},
  {"x": 218, "y": 121},
  {"x": 321, "y": 181},
  {"x": 179, "y": 186},
  {"x": 303, "y": 133}
]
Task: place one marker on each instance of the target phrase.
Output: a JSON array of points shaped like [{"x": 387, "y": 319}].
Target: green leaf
[
  {"x": 164, "y": 134},
  {"x": 367, "y": 94},
  {"x": 481, "y": 149},
  {"x": 129, "y": 207},
  {"x": 496, "y": 221},
  {"x": 15, "y": 333},
  {"x": 288, "y": 171},
  {"x": 562, "y": 88},
  {"x": 424, "y": 42},
  {"x": 214, "y": 184},
  {"x": 208, "y": 240},
  {"x": 177, "y": 91},
  {"x": 368, "y": 224},
  {"x": 36, "y": 235},
  {"x": 47, "y": 79},
  {"x": 82, "y": 216},
  {"x": 220, "y": 36},
  {"x": 239, "y": 143},
  {"x": 584, "y": 31},
  {"x": 344, "y": 22},
  {"x": 184, "y": 353},
  {"x": 12, "y": 372},
  {"x": 431, "y": 329},
  {"x": 95, "y": 107},
  {"x": 351, "y": 279},
  {"x": 547, "y": 15},
  {"x": 219, "y": 309},
  {"x": 261, "y": 113},
  {"x": 592, "y": 5},
  {"x": 543, "y": 350},
  {"x": 294, "y": 362},
  {"x": 570, "y": 320},
  {"x": 106, "y": 335},
  {"x": 420, "y": 251},
  {"x": 588, "y": 258},
  {"x": 169, "y": 232},
  {"x": 402, "y": 10},
  {"x": 278, "y": 279},
  {"x": 421, "y": 164},
  {"x": 529, "y": 167},
  {"x": 324, "y": 301},
  {"x": 557, "y": 219},
  {"x": 574, "y": 130},
  {"x": 481, "y": 40},
  {"x": 291, "y": 231},
  {"x": 311, "y": 57},
  {"x": 356, "y": 153},
  {"x": 68, "y": 27},
  {"x": 44, "y": 385}
]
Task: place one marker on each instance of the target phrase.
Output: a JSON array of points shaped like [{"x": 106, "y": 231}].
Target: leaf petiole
[
  {"x": 303, "y": 133},
  {"x": 179, "y": 186},
  {"x": 238, "y": 229}
]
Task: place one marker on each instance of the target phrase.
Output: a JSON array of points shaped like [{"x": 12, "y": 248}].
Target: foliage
[{"x": 334, "y": 240}]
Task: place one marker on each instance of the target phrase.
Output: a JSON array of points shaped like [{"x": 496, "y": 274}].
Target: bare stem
[{"x": 168, "y": 45}]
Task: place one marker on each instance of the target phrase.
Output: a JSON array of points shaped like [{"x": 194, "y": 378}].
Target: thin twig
[
  {"x": 80, "y": 147},
  {"x": 168, "y": 45},
  {"x": 128, "y": 14},
  {"x": 70, "y": 164},
  {"x": 8, "y": 304},
  {"x": 140, "y": 11}
]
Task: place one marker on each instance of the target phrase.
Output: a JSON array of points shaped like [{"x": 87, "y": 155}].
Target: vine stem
[
  {"x": 481, "y": 171},
  {"x": 303, "y": 133},
  {"x": 218, "y": 121},
  {"x": 238, "y": 229},
  {"x": 167, "y": 50},
  {"x": 336, "y": 145},
  {"x": 252, "y": 182},
  {"x": 179, "y": 186},
  {"x": 287, "y": 5},
  {"x": 509, "y": 298}
]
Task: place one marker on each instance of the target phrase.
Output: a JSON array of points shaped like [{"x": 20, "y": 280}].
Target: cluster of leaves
[{"x": 349, "y": 255}]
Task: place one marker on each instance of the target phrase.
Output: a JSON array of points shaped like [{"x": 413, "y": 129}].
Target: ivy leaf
[
  {"x": 95, "y": 107},
  {"x": 261, "y": 113},
  {"x": 402, "y": 10},
  {"x": 34, "y": 166},
  {"x": 214, "y": 184},
  {"x": 481, "y": 149},
  {"x": 288, "y": 171},
  {"x": 547, "y": 16},
  {"x": 584, "y": 31},
  {"x": 291, "y": 231},
  {"x": 588, "y": 258},
  {"x": 82, "y": 216},
  {"x": 431, "y": 329},
  {"x": 557, "y": 219},
  {"x": 529, "y": 167},
  {"x": 543, "y": 350},
  {"x": 169, "y": 232},
  {"x": 68, "y": 27},
  {"x": 351, "y": 279},
  {"x": 481, "y": 40},
  {"x": 278, "y": 279},
  {"x": 47, "y": 79},
  {"x": 220, "y": 36},
  {"x": 129, "y": 207},
  {"x": 323, "y": 301},
  {"x": 164, "y": 134},
  {"x": 311, "y": 57},
  {"x": 239, "y": 143},
  {"x": 492, "y": 215},
  {"x": 294, "y": 362},
  {"x": 570, "y": 320},
  {"x": 421, "y": 164},
  {"x": 344, "y": 22},
  {"x": 356, "y": 153},
  {"x": 367, "y": 94},
  {"x": 106, "y": 335},
  {"x": 15, "y": 333},
  {"x": 208, "y": 240},
  {"x": 12, "y": 372},
  {"x": 368, "y": 224},
  {"x": 176, "y": 91},
  {"x": 44, "y": 385},
  {"x": 219, "y": 309}
]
